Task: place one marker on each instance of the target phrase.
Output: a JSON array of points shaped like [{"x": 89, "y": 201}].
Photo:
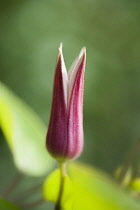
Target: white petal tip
[
  {"x": 82, "y": 52},
  {"x": 60, "y": 47}
]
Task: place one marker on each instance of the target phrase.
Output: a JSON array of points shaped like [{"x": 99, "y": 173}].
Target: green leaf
[
  {"x": 25, "y": 134},
  {"x": 91, "y": 190},
  {"x": 6, "y": 205}
]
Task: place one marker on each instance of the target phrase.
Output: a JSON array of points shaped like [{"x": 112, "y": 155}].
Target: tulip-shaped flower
[{"x": 65, "y": 132}]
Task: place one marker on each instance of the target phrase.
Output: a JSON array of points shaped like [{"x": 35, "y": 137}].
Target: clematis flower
[{"x": 65, "y": 132}]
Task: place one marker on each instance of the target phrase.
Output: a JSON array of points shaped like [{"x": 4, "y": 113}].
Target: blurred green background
[{"x": 30, "y": 34}]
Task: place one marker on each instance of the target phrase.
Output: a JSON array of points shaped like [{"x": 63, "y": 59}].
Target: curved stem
[{"x": 62, "y": 166}]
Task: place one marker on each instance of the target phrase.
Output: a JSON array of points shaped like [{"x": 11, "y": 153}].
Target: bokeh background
[{"x": 30, "y": 34}]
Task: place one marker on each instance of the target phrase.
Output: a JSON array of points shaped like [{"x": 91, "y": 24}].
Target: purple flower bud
[{"x": 65, "y": 132}]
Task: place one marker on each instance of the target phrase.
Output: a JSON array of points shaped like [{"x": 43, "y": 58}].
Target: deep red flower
[{"x": 65, "y": 132}]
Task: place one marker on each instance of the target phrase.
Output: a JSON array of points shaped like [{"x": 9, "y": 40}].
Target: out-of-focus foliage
[
  {"x": 135, "y": 185},
  {"x": 30, "y": 34},
  {"x": 91, "y": 189},
  {"x": 6, "y": 205},
  {"x": 127, "y": 178},
  {"x": 25, "y": 134}
]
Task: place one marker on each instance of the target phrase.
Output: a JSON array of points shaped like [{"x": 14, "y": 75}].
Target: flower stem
[{"x": 62, "y": 166}]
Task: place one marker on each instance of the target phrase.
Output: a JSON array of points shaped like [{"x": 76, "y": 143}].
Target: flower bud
[{"x": 65, "y": 132}]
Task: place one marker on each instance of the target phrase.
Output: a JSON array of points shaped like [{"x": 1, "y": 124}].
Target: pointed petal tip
[
  {"x": 60, "y": 53},
  {"x": 82, "y": 52},
  {"x": 60, "y": 47}
]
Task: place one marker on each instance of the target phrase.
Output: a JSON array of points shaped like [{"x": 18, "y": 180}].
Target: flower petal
[
  {"x": 57, "y": 130},
  {"x": 73, "y": 71},
  {"x": 75, "y": 112},
  {"x": 64, "y": 74}
]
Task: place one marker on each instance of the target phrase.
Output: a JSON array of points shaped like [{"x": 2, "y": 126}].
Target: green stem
[{"x": 62, "y": 166}]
